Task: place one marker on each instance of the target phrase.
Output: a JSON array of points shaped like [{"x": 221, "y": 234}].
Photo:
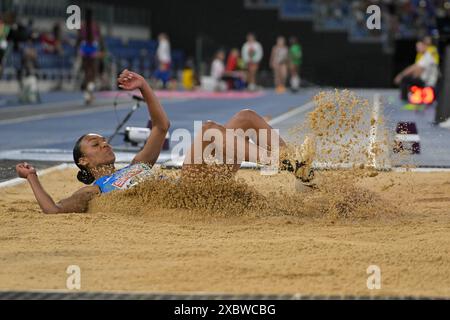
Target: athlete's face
[{"x": 96, "y": 151}]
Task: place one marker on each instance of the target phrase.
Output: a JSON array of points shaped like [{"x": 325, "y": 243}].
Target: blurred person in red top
[
  {"x": 52, "y": 41},
  {"x": 232, "y": 60},
  {"x": 233, "y": 74}
]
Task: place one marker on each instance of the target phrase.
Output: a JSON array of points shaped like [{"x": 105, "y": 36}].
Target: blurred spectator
[
  {"x": 21, "y": 37},
  {"x": 52, "y": 45},
  {"x": 4, "y": 31},
  {"x": 234, "y": 75},
  {"x": 188, "y": 75},
  {"x": 52, "y": 42},
  {"x": 88, "y": 42},
  {"x": 233, "y": 60},
  {"x": 422, "y": 73},
  {"x": 163, "y": 56},
  {"x": 279, "y": 64},
  {"x": 218, "y": 66},
  {"x": 218, "y": 70},
  {"x": 106, "y": 70},
  {"x": 17, "y": 33},
  {"x": 295, "y": 62},
  {"x": 431, "y": 48},
  {"x": 28, "y": 73},
  {"x": 252, "y": 54}
]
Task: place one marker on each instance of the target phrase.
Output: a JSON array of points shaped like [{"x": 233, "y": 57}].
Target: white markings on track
[
  {"x": 373, "y": 161},
  {"x": 64, "y": 155},
  {"x": 121, "y": 106},
  {"x": 420, "y": 169},
  {"x": 291, "y": 113},
  {"x": 59, "y": 114}
]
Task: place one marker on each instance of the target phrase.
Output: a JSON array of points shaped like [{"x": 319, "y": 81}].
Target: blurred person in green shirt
[
  {"x": 4, "y": 31},
  {"x": 295, "y": 62}
]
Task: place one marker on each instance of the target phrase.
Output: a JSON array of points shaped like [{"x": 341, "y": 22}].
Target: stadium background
[{"x": 338, "y": 48}]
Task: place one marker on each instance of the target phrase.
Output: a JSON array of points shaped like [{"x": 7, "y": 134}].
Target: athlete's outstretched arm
[
  {"x": 160, "y": 122},
  {"x": 78, "y": 202}
]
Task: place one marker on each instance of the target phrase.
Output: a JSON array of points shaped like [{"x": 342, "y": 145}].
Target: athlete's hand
[
  {"x": 130, "y": 80},
  {"x": 24, "y": 170}
]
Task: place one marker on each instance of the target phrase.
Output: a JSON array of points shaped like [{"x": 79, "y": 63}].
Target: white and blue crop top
[{"x": 125, "y": 178}]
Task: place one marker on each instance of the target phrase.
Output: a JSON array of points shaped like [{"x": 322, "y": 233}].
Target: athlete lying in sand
[{"x": 95, "y": 157}]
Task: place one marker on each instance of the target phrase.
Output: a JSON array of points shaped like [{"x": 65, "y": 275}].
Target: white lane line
[
  {"x": 420, "y": 169},
  {"x": 16, "y": 181},
  {"x": 373, "y": 138},
  {"x": 58, "y": 114},
  {"x": 47, "y": 105},
  {"x": 64, "y": 155},
  {"x": 307, "y": 106},
  {"x": 120, "y": 106},
  {"x": 373, "y": 131}
]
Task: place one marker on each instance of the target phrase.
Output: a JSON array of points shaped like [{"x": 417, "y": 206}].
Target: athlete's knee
[
  {"x": 246, "y": 114},
  {"x": 209, "y": 125}
]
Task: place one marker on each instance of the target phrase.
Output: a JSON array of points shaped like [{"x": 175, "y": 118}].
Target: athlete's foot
[
  {"x": 300, "y": 169},
  {"x": 307, "y": 153},
  {"x": 300, "y": 162}
]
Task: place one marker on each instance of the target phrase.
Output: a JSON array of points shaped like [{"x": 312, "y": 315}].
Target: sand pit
[{"x": 302, "y": 251}]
